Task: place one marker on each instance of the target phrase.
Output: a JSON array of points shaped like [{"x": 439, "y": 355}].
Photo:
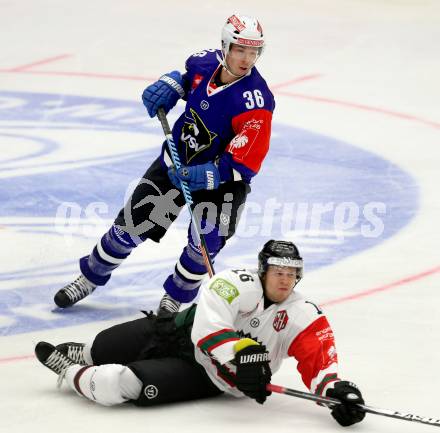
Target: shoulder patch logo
[
  {"x": 225, "y": 289},
  {"x": 280, "y": 321}
]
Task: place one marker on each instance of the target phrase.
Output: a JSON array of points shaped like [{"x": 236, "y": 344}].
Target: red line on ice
[
  {"x": 340, "y": 300},
  {"x": 384, "y": 288},
  {"x": 28, "y": 66},
  {"x": 409, "y": 117},
  {"x": 404, "y": 116},
  {"x": 392, "y": 113},
  {"x": 91, "y": 75},
  {"x": 295, "y": 81},
  {"x": 29, "y": 69},
  {"x": 16, "y": 358}
]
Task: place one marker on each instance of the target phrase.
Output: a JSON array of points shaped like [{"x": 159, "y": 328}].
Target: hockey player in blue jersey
[{"x": 222, "y": 139}]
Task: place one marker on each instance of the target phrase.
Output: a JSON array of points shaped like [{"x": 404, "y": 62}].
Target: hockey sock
[
  {"x": 190, "y": 270},
  {"x": 108, "y": 384},
  {"x": 112, "y": 249}
]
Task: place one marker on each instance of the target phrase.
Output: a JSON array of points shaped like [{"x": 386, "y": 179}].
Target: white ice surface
[{"x": 377, "y": 64}]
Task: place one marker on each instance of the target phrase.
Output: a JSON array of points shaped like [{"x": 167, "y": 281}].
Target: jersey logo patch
[
  {"x": 196, "y": 136},
  {"x": 225, "y": 290},
  {"x": 151, "y": 392},
  {"x": 239, "y": 140},
  {"x": 280, "y": 321},
  {"x": 255, "y": 322},
  {"x": 247, "y": 135},
  {"x": 196, "y": 81}
]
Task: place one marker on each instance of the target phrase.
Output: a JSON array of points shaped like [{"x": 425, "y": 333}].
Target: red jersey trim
[
  {"x": 314, "y": 349},
  {"x": 251, "y": 142},
  {"x": 224, "y": 373},
  {"x": 216, "y": 339},
  {"x": 78, "y": 377}
]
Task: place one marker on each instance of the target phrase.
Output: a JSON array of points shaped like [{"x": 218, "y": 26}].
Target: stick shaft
[
  {"x": 186, "y": 191},
  {"x": 331, "y": 402}
]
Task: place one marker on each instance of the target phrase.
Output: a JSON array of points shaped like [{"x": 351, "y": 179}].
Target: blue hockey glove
[
  {"x": 203, "y": 176},
  {"x": 349, "y": 394},
  {"x": 173, "y": 177},
  {"x": 163, "y": 93}
]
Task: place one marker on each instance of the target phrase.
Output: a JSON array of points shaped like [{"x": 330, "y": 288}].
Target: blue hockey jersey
[{"x": 229, "y": 125}]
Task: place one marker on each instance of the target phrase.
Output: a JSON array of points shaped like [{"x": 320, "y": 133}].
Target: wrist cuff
[{"x": 243, "y": 343}]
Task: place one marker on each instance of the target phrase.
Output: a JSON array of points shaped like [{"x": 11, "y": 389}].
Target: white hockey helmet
[{"x": 242, "y": 30}]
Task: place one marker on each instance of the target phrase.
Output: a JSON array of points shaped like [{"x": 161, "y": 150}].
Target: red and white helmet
[{"x": 242, "y": 30}]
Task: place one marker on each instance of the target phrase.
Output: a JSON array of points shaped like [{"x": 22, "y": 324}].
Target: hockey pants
[{"x": 153, "y": 206}]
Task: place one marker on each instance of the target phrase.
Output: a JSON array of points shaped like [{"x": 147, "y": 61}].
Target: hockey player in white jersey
[{"x": 245, "y": 324}]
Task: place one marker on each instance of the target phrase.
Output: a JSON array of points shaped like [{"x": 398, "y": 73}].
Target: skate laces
[
  {"x": 57, "y": 362},
  {"x": 79, "y": 289},
  {"x": 61, "y": 378},
  {"x": 76, "y": 353},
  {"x": 169, "y": 304}
]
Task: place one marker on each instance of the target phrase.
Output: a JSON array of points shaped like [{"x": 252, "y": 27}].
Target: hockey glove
[
  {"x": 203, "y": 176},
  {"x": 253, "y": 370},
  {"x": 349, "y": 394},
  {"x": 163, "y": 93}
]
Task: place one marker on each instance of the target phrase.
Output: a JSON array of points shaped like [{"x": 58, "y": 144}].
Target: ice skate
[
  {"x": 74, "y": 292},
  {"x": 168, "y": 306},
  {"x": 51, "y": 358}
]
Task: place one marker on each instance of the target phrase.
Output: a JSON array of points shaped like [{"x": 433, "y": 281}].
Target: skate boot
[
  {"x": 73, "y": 351},
  {"x": 74, "y": 292},
  {"x": 167, "y": 306},
  {"x": 50, "y": 357}
]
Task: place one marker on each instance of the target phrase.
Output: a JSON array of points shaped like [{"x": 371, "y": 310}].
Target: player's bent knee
[
  {"x": 107, "y": 385},
  {"x": 130, "y": 384}
]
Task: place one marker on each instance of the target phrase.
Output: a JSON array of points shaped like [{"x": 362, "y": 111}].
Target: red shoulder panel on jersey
[
  {"x": 314, "y": 349},
  {"x": 251, "y": 142}
]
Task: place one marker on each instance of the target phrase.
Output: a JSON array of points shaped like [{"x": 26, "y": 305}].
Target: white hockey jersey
[{"x": 231, "y": 307}]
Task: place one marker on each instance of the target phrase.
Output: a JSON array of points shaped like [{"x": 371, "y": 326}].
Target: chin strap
[{"x": 222, "y": 61}]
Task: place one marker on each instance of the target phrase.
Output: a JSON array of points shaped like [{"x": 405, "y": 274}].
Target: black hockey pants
[{"x": 161, "y": 355}]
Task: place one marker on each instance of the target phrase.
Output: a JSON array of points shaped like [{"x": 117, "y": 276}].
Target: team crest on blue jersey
[{"x": 196, "y": 136}]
